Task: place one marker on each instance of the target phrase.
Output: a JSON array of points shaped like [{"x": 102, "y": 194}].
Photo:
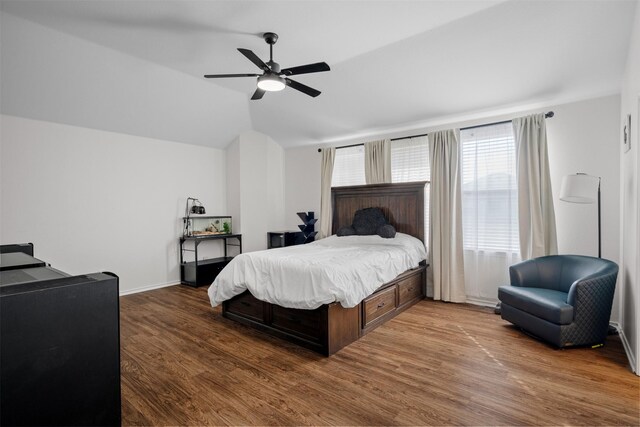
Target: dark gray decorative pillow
[
  {"x": 387, "y": 231},
  {"x": 367, "y": 221},
  {"x": 346, "y": 231}
]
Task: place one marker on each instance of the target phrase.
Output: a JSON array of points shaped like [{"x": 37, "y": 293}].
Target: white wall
[
  {"x": 233, "y": 184},
  {"x": 630, "y": 194},
  {"x": 302, "y": 184},
  {"x": 92, "y": 200},
  {"x": 583, "y": 136},
  {"x": 256, "y": 188}
]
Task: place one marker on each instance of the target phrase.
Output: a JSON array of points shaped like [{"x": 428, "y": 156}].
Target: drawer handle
[
  {"x": 381, "y": 305},
  {"x": 410, "y": 289}
]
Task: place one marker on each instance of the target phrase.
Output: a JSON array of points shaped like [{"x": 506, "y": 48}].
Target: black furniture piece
[
  {"x": 308, "y": 226},
  {"x": 26, "y": 248},
  {"x": 307, "y": 234},
  {"x": 202, "y": 272},
  {"x": 18, "y": 256},
  {"x": 18, "y": 261},
  {"x": 563, "y": 299},
  {"x": 280, "y": 239},
  {"x": 60, "y": 348},
  {"x": 14, "y": 277}
]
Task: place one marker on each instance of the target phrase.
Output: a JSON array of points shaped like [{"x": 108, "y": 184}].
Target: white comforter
[{"x": 343, "y": 269}]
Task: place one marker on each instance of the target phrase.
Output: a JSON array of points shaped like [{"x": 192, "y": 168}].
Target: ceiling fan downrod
[{"x": 271, "y": 39}]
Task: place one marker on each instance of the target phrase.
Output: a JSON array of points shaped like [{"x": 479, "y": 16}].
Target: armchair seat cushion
[{"x": 547, "y": 304}]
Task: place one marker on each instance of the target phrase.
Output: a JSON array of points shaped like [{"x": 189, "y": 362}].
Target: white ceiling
[{"x": 392, "y": 62}]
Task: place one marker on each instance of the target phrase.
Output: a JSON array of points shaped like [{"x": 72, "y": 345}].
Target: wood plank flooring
[{"x": 435, "y": 364}]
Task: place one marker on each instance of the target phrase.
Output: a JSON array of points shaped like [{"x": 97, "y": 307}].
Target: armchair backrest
[{"x": 558, "y": 272}]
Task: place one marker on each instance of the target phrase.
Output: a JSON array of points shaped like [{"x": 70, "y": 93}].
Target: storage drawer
[
  {"x": 378, "y": 305},
  {"x": 410, "y": 289},
  {"x": 248, "y": 306},
  {"x": 305, "y": 323}
]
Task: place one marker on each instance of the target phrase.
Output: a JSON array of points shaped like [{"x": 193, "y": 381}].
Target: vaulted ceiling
[{"x": 136, "y": 66}]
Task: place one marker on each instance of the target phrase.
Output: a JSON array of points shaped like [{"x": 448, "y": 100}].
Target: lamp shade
[{"x": 579, "y": 188}]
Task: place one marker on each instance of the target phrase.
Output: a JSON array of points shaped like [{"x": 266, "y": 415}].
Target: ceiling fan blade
[
  {"x": 220, "y": 76},
  {"x": 302, "y": 88},
  {"x": 254, "y": 58},
  {"x": 306, "y": 69},
  {"x": 258, "y": 94}
]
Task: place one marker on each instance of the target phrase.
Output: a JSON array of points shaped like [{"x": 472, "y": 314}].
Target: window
[
  {"x": 348, "y": 167},
  {"x": 489, "y": 189},
  {"x": 410, "y": 162},
  {"x": 489, "y": 209}
]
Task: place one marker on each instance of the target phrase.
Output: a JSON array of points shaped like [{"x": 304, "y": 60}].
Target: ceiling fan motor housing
[
  {"x": 270, "y": 38},
  {"x": 275, "y": 67}
]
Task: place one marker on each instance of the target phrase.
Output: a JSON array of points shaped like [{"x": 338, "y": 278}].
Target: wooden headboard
[{"x": 402, "y": 204}]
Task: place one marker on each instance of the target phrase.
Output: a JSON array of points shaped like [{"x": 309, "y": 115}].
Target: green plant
[{"x": 226, "y": 227}]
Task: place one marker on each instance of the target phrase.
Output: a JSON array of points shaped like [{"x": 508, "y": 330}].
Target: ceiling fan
[{"x": 273, "y": 78}]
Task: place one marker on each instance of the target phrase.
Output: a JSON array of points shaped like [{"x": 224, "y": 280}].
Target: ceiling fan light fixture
[{"x": 271, "y": 82}]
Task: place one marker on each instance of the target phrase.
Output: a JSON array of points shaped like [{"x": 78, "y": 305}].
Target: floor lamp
[{"x": 582, "y": 188}]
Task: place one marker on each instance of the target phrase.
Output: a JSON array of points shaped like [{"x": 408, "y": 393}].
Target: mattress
[{"x": 335, "y": 269}]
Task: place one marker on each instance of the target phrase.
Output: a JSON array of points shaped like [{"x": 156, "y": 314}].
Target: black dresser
[{"x": 60, "y": 347}]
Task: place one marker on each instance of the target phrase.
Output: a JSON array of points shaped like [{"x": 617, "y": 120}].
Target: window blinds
[
  {"x": 348, "y": 167},
  {"x": 489, "y": 189},
  {"x": 410, "y": 162}
]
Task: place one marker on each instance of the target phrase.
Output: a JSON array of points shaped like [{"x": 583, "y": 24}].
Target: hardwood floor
[{"x": 184, "y": 364}]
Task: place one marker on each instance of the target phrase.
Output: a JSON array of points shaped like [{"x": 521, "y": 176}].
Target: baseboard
[
  {"x": 146, "y": 288},
  {"x": 627, "y": 348},
  {"x": 482, "y": 302}
]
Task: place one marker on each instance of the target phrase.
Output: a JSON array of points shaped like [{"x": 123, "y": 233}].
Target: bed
[{"x": 330, "y": 326}]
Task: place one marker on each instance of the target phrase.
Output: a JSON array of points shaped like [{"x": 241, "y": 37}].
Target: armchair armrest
[
  {"x": 592, "y": 299},
  {"x": 600, "y": 286}
]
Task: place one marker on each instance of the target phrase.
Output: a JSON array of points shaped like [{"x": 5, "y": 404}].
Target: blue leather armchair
[{"x": 563, "y": 299}]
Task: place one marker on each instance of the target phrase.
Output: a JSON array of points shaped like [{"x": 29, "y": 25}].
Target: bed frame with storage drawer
[{"x": 331, "y": 327}]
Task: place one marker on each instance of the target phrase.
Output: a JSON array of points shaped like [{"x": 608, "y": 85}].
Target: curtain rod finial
[
  {"x": 549, "y": 114},
  {"x": 319, "y": 150}
]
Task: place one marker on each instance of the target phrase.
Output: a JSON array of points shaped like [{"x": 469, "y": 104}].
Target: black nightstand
[{"x": 280, "y": 239}]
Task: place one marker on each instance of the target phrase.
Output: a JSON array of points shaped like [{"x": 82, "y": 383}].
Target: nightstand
[{"x": 280, "y": 239}]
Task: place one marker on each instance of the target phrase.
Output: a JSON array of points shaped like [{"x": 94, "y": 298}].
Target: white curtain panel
[
  {"x": 484, "y": 272},
  {"x": 536, "y": 216},
  {"x": 446, "y": 251},
  {"x": 377, "y": 161},
  {"x": 489, "y": 209},
  {"x": 326, "y": 214}
]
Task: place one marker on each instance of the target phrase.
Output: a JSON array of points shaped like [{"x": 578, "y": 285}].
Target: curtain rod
[{"x": 546, "y": 115}]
